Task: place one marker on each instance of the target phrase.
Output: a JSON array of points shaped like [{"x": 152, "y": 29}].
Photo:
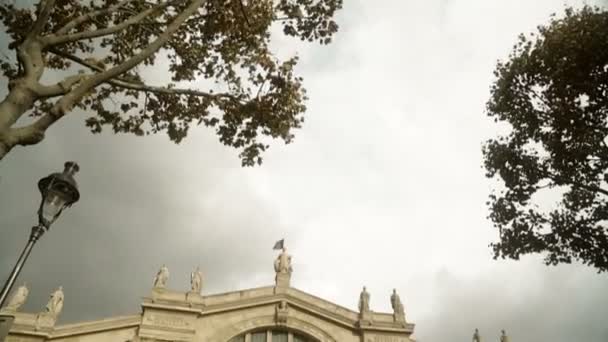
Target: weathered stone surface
[{"x": 169, "y": 315}]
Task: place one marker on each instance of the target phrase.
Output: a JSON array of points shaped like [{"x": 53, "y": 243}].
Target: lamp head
[{"x": 58, "y": 191}]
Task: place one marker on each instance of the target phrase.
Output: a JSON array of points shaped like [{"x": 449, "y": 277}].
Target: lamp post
[{"x": 59, "y": 191}]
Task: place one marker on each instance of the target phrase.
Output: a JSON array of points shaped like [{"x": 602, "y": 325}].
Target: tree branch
[
  {"x": 53, "y": 39},
  {"x": 26, "y": 135},
  {"x": 560, "y": 180},
  {"x": 63, "y": 105},
  {"x": 592, "y": 188},
  {"x": 60, "y": 88},
  {"x": 29, "y": 51},
  {"x": 242, "y": 7},
  {"x": 164, "y": 90},
  {"x": 84, "y": 17},
  {"x": 122, "y": 83},
  {"x": 46, "y": 7}
]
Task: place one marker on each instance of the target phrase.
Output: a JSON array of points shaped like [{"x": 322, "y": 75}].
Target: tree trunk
[
  {"x": 19, "y": 100},
  {"x": 3, "y": 150}
]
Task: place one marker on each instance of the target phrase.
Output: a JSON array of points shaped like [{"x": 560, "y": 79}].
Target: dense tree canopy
[
  {"x": 102, "y": 48},
  {"x": 552, "y": 192}
]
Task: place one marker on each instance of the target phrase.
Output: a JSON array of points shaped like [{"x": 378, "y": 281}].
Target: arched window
[{"x": 272, "y": 336}]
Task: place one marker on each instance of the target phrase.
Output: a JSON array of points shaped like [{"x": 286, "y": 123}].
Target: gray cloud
[
  {"x": 135, "y": 213},
  {"x": 532, "y": 303},
  {"x": 382, "y": 187}
]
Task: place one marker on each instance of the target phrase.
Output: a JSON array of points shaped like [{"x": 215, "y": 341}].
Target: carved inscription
[
  {"x": 384, "y": 338},
  {"x": 167, "y": 321}
]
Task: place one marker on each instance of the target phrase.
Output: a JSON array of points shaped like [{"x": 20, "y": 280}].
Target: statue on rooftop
[
  {"x": 396, "y": 303},
  {"x": 196, "y": 281},
  {"x": 160, "y": 281},
  {"x": 503, "y": 336},
  {"x": 476, "y": 337},
  {"x": 364, "y": 301},
  {"x": 55, "y": 304},
  {"x": 282, "y": 264},
  {"x": 18, "y": 298}
]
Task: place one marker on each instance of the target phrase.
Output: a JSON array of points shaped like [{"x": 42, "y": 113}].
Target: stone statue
[
  {"x": 364, "y": 301},
  {"x": 18, "y": 298},
  {"x": 161, "y": 277},
  {"x": 476, "y": 337},
  {"x": 55, "y": 304},
  {"x": 503, "y": 336},
  {"x": 283, "y": 263},
  {"x": 396, "y": 303},
  {"x": 196, "y": 281},
  {"x": 281, "y": 312},
  {"x": 283, "y": 305},
  {"x": 283, "y": 269}
]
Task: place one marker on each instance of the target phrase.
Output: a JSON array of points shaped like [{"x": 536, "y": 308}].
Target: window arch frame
[
  {"x": 300, "y": 326},
  {"x": 269, "y": 330}
]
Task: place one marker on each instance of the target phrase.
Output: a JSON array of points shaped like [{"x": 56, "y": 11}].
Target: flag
[{"x": 279, "y": 244}]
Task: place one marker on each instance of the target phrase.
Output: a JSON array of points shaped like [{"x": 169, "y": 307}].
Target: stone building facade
[{"x": 277, "y": 313}]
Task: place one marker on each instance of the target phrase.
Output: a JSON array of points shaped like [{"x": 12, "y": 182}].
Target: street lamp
[{"x": 59, "y": 191}]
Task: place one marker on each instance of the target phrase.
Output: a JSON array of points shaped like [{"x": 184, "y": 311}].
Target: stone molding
[
  {"x": 191, "y": 308},
  {"x": 75, "y": 329},
  {"x": 316, "y": 306},
  {"x": 268, "y": 321}
]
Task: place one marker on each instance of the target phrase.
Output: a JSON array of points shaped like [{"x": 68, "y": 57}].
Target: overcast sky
[{"x": 382, "y": 187}]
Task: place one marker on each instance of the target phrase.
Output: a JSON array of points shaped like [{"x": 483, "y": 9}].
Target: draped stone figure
[
  {"x": 283, "y": 269},
  {"x": 18, "y": 298},
  {"x": 161, "y": 277},
  {"x": 364, "y": 301},
  {"x": 282, "y": 264},
  {"x": 396, "y": 303},
  {"x": 476, "y": 337},
  {"x": 503, "y": 336},
  {"x": 55, "y": 304},
  {"x": 196, "y": 281}
]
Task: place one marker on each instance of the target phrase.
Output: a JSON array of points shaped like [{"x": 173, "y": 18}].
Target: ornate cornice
[
  {"x": 240, "y": 300},
  {"x": 96, "y": 326},
  {"x": 171, "y": 303}
]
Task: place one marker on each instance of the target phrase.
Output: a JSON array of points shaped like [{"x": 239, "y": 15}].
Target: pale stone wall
[
  {"x": 189, "y": 316},
  {"x": 120, "y": 335}
]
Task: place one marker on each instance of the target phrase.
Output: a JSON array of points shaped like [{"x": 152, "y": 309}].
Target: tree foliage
[
  {"x": 103, "y": 47},
  {"x": 553, "y": 94}
]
